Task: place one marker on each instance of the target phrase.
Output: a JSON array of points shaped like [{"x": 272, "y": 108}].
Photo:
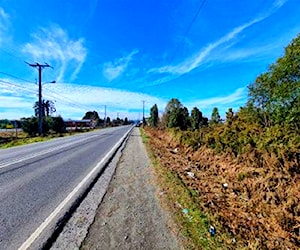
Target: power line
[
  {"x": 56, "y": 96},
  {"x": 194, "y": 19},
  {"x": 67, "y": 100},
  {"x": 11, "y": 54},
  {"x": 188, "y": 29},
  {"x": 18, "y": 86},
  {"x": 16, "y": 77}
]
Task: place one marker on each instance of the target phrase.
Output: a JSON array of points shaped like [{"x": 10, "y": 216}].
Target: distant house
[{"x": 79, "y": 124}]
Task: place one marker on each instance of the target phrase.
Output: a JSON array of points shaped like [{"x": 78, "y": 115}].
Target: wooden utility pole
[
  {"x": 144, "y": 120},
  {"x": 104, "y": 115},
  {"x": 40, "y": 67}
]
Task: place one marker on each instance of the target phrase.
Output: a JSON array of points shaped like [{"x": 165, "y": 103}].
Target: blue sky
[{"x": 120, "y": 52}]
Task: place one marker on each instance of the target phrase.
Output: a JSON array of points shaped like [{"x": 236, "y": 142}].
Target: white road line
[
  {"x": 58, "y": 209},
  {"x": 28, "y": 157}
]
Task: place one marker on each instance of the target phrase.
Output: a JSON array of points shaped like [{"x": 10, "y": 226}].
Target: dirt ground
[{"x": 130, "y": 216}]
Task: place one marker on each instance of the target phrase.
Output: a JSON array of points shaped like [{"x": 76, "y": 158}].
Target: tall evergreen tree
[
  {"x": 176, "y": 115},
  {"x": 154, "y": 119},
  {"x": 215, "y": 116},
  {"x": 196, "y": 118}
]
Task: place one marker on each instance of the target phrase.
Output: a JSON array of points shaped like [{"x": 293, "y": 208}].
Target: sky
[{"x": 119, "y": 53}]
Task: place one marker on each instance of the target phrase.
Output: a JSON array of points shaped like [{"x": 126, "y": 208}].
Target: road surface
[
  {"x": 130, "y": 215},
  {"x": 37, "y": 182}
]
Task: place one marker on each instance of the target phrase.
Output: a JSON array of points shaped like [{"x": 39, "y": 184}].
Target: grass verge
[
  {"x": 26, "y": 140},
  {"x": 8, "y": 140},
  {"x": 181, "y": 201}
]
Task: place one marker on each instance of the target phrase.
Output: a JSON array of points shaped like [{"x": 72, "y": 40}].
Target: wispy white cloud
[
  {"x": 238, "y": 96},
  {"x": 278, "y": 4},
  {"x": 91, "y": 97},
  {"x": 72, "y": 101},
  {"x": 225, "y": 42},
  {"x": 195, "y": 61},
  {"x": 112, "y": 70},
  {"x": 11, "y": 102},
  {"x": 4, "y": 24},
  {"x": 234, "y": 100},
  {"x": 54, "y": 46}
]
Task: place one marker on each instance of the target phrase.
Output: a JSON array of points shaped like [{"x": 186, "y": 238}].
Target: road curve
[{"x": 36, "y": 180}]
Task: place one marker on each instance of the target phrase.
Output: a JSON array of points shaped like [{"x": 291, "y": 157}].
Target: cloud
[
  {"x": 54, "y": 46},
  {"x": 234, "y": 100},
  {"x": 112, "y": 70},
  {"x": 4, "y": 24},
  {"x": 237, "y": 96},
  {"x": 92, "y": 96},
  {"x": 278, "y": 4},
  {"x": 12, "y": 102},
  {"x": 195, "y": 61},
  {"x": 72, "y": 100},
  {"x": 225, "y": 42}
]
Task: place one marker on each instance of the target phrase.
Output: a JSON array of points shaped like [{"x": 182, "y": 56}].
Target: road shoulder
[{"x": 130, "y": 215}]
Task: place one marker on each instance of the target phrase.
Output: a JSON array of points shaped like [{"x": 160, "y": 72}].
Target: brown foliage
[{"x": 260, "y": 207}]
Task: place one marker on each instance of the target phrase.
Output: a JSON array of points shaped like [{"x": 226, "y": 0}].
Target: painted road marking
[
  {"x": 58, "y": 209},
  {"x": 28, "y": 157}
]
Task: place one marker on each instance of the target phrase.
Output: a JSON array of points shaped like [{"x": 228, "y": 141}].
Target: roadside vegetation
[
  {"x": 241, "y": 174},
  {"x": 25, "y": 130}
]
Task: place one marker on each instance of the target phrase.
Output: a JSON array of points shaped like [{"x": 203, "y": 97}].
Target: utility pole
[
  {"x": 143, "y": 112},
  {"x": 104, "y": 116},
  {"x": 40, "y": 67}
]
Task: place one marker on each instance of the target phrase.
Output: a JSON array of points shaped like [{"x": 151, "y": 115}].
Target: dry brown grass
[{"x": 260, "y": 207}]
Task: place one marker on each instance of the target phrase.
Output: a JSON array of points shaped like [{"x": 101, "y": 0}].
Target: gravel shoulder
[{"x": 130, "y": 215}]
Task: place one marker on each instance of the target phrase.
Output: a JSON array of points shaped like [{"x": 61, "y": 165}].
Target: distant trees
[
  {"x": 93, "y": 115},
  {"x": 58, "y": 125},
  {"x": 126, "y": 122},
  {"x": 154, "y": 119},
  {"x": 108, "y": 121},
  {"x": 55, "y": 124}
]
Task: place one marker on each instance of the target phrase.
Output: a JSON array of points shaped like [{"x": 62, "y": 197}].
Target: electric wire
[
  {"x": 53, "y": 94},
  {"x": 15, "y": 77},
  {"x": 187, "y": 30}
]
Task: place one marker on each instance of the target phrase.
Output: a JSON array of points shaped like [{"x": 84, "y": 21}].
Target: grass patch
[
  {"x": 24, "y": 141},
  {"x": 8, "y": 140},
  {"x": 183, "y": 205},
  {"x": 145, "y": 137}
]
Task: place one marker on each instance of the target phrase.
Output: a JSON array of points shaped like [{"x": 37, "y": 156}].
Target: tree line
[{"x": 270, "y": 120}]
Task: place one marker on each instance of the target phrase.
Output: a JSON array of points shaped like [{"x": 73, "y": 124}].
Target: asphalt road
[{"x": 36, "y": 179}]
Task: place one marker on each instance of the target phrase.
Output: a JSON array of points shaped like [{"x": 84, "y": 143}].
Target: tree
[
  {"x": 58, "y": 124},
  {"x": 196, "y": 118},
  {"x": 30, "y": 125},
  {"x": 229, "y": 116},
  {"x": 215, "y": 117},
  {"x": 92, "y": 115},
  {"x": 108, "y": 120},
  {"x": 176, "y": 115},
  {"x": 47, "y": 106},
  {"x": 154, "y": 119},
  {"x": 276, "y": 93},
  {"x": 125, "y": 121}
]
